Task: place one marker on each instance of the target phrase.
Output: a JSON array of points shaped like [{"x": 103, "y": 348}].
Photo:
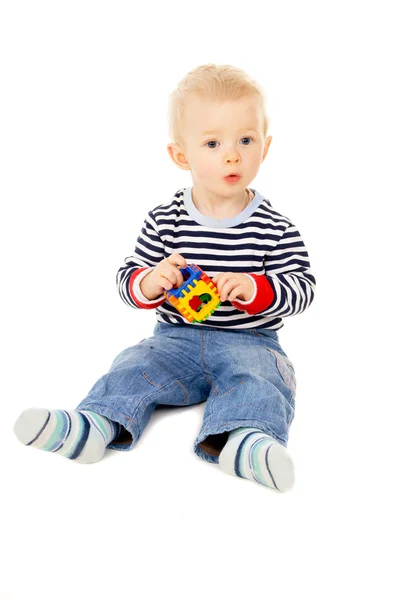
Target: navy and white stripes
[{"x": 259, "y": 241}]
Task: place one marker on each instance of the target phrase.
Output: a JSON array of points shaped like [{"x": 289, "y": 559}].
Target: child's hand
[
  {"x": 167, "y": 273},
  {"x": 234, "y": 286}
]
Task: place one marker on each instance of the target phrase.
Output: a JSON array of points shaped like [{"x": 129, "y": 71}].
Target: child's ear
[
  {"x": 268, "y": 141},
  {"x": 178, "y": 156}
]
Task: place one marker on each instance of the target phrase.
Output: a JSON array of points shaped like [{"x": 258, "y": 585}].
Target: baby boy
[{"x": 233, "y": 361}]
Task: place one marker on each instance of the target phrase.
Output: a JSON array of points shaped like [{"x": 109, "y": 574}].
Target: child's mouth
[{"x": 232, "y": 178}]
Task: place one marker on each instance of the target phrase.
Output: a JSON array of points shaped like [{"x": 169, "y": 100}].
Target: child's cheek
[{"x": 207, "y": 169}]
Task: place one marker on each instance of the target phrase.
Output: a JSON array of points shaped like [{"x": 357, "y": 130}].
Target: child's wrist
[{"x": 148, "y": 289}]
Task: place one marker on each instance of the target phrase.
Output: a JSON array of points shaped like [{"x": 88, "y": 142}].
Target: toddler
[{"x": 233, "y": 361}]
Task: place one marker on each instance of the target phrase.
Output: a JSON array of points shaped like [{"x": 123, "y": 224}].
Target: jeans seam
[
  {"x": 209, "y": 381},
  {"x": 230, "y": 390},
  {"x": 145, "y": 376},
  {"x": 185, "y": 391}
]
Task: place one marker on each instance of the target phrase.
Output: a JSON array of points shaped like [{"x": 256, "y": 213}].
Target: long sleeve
[
  {"x": 149, "y": 251},
  {"x": 287, "y": 287}
]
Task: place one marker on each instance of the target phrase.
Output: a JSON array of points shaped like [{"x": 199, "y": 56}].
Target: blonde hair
[{"x": 218, "y": 82}]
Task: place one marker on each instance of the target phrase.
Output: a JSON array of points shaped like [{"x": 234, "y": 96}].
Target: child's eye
[{"x": 214, "y": 142}]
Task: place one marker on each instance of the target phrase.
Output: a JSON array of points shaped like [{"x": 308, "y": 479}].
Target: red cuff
[
  {"x": 262, "y": 300},
  {"x": 131, "y": 286}
]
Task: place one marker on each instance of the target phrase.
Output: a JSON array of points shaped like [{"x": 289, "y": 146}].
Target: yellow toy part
[{"x": 197, "y": 298}]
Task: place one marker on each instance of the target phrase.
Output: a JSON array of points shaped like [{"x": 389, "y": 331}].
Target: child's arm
[
  {"x": 149, "y": 251},
  {"x": 288, "y": 286}
]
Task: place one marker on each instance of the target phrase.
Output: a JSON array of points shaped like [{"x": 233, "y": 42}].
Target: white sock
[
  {"x": 80, "y": 435},
  {"x": 255, "y": 455}
]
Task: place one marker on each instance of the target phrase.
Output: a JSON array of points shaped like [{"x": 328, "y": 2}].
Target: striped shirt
[{"x": 259, "y": 242}]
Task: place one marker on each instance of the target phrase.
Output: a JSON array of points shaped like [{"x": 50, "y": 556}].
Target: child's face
[{"x": 238, "y": 145}]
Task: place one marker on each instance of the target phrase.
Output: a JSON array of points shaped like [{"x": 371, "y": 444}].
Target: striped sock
[
  {"x": 80, "y": 435},
  {"x": 252, "y": 454}
]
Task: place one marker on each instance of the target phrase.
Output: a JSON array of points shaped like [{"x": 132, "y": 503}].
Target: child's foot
[
  {"x": 80, "y": 435},
  {"x": 252, "y": 454}
]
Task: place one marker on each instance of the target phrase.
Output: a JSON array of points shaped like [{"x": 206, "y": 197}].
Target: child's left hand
[{"x": 234, "y": 286}]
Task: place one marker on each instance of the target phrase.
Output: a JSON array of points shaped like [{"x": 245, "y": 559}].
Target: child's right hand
[{"x": 164, "y": 276}]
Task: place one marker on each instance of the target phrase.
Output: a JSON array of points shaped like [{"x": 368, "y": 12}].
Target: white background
[{"x": 83, "y": 135}]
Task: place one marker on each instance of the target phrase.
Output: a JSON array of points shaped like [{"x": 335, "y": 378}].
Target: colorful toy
[{"x": 197, "y": 298}]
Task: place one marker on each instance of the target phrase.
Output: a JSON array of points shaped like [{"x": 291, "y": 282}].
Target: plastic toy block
[{"x": 197, "y": 298}]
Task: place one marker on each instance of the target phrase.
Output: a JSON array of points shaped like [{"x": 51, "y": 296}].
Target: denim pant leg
[
  {"x": 253, "y": 386},
  {"x": 164, "y": 369}
]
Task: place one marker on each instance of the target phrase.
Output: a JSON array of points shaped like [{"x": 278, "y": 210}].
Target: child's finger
[
  {"x": 165, "y": 282},
  {"x": 228, "y": 287},
  {"x": 238, "y": 290},
  {"x": 178, "y": 260},
  {"x": 179, "y": 278},
  {"x": 173, "y": 276},
  {"x": 221, "y": 280}
]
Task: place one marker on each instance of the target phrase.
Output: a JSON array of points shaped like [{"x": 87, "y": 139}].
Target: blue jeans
[{"x": 243, "y": 375}]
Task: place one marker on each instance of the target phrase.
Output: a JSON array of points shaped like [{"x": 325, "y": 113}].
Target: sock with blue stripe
[
  {"x": 255, "y": 455},
  {"x": 80, "y": 435}
]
